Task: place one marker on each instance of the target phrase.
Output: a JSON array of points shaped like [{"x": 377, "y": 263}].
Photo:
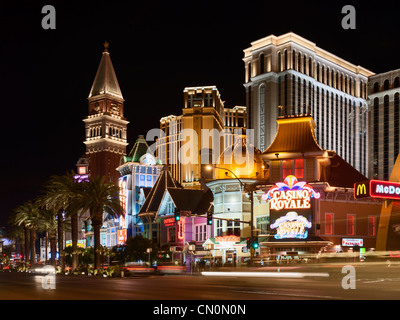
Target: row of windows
[
  {"x": 232, "y": 228},
  {"x": 98, "y": 132},
  {"x": 200, "y": 100},
  {"x": 350, "y": 224},
  {"x": 386, "y": 85},
  {"x": 307, "y": 66},
  {"x": 387, "y": 126},
  {"x": 293, "y": 167},
  {"x": 335, "y": 112}
]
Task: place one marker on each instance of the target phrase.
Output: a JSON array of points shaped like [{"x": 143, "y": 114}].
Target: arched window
[
  {"x": 249, "y": 72},
  {"x": 376, "y": 87},
  {"x": 294, "y": 60},
  {"x": 286, "y": 62},
  {"x": 299, "y": 62},
  {"x": 323, "y": 74},
  {"x": 310, "y": 67},
  {"x": 376, "y": 139},
  {"x": 262, "y": 67},
  {"x": 397, "y": 82},
  {"x": 279, "y": 62},
  {"x": 337, "y": 80},
  {"x": 386, "y": 85},
  {"x": 386, "y": 119}
]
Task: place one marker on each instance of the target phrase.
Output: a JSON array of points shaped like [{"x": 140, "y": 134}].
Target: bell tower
[{"x": 105, "y": 126}]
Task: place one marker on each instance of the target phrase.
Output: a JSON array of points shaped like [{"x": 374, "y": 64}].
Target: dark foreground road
[{"x": 305, "y": 283}]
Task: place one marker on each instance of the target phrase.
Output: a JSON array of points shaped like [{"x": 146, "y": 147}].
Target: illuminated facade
[
  {"x": 158, "y": 216},
  {"x": 139, "y": 171},
  {"x": 310, "y": 192},
  {"x": 232, "y": 204},
  {"x": 105, "y": 126},
  {"x": 292, "y": 72},
  {"x": 384, "y": 105},
  {"x": 203, "y": 111}
]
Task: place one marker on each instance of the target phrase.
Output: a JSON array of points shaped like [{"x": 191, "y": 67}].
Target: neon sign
[
  {"x": 121, "y": 236},
  {"x": 227, "y": 239},
  {"x": 291, "y": 194},
  {"x": 384, "y": 189},
  {"x": 122, "y": 193},
  {"x": 291, "y": 226}
]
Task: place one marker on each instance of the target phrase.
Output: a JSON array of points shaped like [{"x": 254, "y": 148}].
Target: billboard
[
  {"x": 377, "y": 189},
  {"x": 291, "y": 208}
]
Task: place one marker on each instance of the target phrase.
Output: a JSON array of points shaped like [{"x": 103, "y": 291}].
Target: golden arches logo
[{"x": 361, "y": 189}]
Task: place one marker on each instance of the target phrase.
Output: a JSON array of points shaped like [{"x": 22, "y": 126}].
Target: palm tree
[
  {"x": 48, "y": 223},
  {"x": 59, "y": 193},
  {"x": 17, "y": 234},
  {"x": 97, "y": 197},
  {"x": 27, "y": 216}
]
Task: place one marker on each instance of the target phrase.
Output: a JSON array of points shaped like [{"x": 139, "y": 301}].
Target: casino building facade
[{"x": 311, "y": 196}]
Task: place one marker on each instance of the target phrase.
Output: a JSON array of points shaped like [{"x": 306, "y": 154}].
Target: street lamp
[
  {"x": 249, "y": 188},
  {"x": 149, "y": 250}
]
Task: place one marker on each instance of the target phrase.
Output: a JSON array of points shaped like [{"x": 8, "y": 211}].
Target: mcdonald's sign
[{"x": 361, "y": 190}]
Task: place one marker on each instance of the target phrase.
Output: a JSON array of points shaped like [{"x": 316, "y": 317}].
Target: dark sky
[{"x": 157, "y": 49}]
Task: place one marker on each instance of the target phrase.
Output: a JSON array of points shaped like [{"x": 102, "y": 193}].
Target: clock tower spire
[{"x": 105, "y": 126}]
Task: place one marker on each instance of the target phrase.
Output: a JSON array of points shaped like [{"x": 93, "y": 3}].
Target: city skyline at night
[{"x": 156, "y": 53}]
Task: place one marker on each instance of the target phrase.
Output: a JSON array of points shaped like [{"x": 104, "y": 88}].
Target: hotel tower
[{"x": 289, "y": 76}]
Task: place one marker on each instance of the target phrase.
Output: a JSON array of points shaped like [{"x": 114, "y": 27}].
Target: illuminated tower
[{"x": 105, "y": 126}]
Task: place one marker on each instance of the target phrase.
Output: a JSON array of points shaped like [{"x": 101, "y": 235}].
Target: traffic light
[
  {"x": 209, "y": 218},
  {"x": 248, "y": 243},
  {"x": 255, "y": 243},
  {"x": 177, "y": 214}
]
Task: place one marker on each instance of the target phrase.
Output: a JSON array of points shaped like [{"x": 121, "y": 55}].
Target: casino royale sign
[
  {"x": 290, "y": 195},
  {"x": 290, "y": 208},
  {"x": 290, "y": 200}
]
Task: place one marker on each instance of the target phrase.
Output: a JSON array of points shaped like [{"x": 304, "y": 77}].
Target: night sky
[{"x": 157, "y": 49}]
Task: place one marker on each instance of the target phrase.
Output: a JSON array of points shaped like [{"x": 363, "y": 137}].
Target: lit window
[
  {"x": 233, "y": 228},
  {"x": 351, "y": 224},
  {"x": 372, "y": 226},
  {"x": 328, "y": 223},
  {"x": 299, "y": 168},
  {"x": 287, "y": 168}
]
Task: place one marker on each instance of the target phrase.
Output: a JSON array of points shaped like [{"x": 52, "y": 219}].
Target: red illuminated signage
[
  {"x": 384, "y": 189},
  {"x": 82, "y": 170},
  {"x": 169, "y": 222},
  {"x": 377, "y": 189},
  {"x": 121, "y": 234},
  {"x": 352, "y": 242},
  {"x": 227, "y": 239}
]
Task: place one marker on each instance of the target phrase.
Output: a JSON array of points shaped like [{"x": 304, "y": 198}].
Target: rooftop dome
[{"x": 243, "y": 159}]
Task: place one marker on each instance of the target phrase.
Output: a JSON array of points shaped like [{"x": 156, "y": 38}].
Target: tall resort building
[
  {"x": 196, "y": 138},
  {"x": 384, "y": 103},
  {"x": 290, "y": 75}
]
